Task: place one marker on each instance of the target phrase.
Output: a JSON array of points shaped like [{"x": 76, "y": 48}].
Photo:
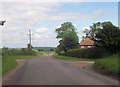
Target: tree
[
  {"x": 105, "y": 35},
  {"x": 68, "y": 37},
  {"x": 30, "y": 48},
  {"x": 93, "y": 30},
  {"x": 108, "y": 37}
]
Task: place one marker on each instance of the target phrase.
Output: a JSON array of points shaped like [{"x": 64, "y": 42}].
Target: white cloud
[
  {"x": 74, "y": 25},
  {"x": 86, "y": 28},
  {"x": 99, "y": 11},
  {"x": 58, "y": 26},
  {"x": 18, "y": 15},
  {"x": 42, "y": 30},
  {"x": 61, "y": 1}
]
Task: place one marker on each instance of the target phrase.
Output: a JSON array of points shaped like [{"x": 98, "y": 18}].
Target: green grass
[
  {"x": 71, "y": 58},
  {"x": 9, "y": 61},
  {"x": 108, "y": 65}
]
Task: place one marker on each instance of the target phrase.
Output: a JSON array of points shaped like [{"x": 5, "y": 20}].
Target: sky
[{"x": 44, "y": 17}]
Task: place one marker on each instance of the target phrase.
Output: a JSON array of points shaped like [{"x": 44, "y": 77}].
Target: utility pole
[{"x": 29, "y": 45}]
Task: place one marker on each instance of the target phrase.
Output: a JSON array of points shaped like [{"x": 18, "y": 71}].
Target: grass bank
[
  {"x": 108, "y": 65},
  {"x": 72, "y": 58},
  {"x": 9, "y": 61}
]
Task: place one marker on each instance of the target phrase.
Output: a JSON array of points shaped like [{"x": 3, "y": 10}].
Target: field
[{"x": 108, "y": 65}]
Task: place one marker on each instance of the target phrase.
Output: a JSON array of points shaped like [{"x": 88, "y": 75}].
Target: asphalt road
[{"x": 47, "y": 70}]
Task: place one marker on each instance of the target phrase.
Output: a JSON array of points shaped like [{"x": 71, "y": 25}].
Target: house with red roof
[{"x": 87, "y": 43}]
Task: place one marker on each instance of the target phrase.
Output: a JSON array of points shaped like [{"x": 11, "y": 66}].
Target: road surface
[{"x": 47, "y": 70}]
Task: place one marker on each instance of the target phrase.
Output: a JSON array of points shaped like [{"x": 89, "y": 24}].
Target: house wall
[{"x": 87, "y": 46}]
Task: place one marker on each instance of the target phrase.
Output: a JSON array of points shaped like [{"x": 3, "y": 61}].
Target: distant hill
[{"x": 44, "y": 48}]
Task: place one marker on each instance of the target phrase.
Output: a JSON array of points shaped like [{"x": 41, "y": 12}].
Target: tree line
[{"x": 104, "y": 34}]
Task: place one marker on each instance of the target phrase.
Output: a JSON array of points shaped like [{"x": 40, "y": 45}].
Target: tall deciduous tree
[
  {"x": 108, "y": 37},
  {"x": 68, "y": 37}
]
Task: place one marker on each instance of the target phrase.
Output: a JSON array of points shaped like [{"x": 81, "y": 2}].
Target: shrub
[{"x": 92, "y": 53}]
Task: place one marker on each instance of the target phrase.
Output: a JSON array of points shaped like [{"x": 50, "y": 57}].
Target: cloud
[
  {"x": 20, "y": 14},
  {"x": 42, "y": 30},
  {"x": 99, "y": 11},
  {"x": 58, "y": 26},
  {"x": 78, "y": 16},
  {"x": 74, "y": 25},
  {"x": 86, "y": 28}
]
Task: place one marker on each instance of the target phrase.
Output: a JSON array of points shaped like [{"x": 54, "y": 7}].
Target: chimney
[{"x": 87, "y": 36}]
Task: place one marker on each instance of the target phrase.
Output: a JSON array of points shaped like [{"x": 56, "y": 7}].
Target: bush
[{"x": 92, "y": 53}]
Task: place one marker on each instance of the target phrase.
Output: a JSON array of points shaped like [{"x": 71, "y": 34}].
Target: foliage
[
  {"x": 105, "y": 35},
  {"x": 72, "y": 58},
  {"x": 45, "y": 49},
  {"x": 108, "y": 37},
  {"x": 108, "y": 65},
  {"x": 23, "y": 51},
  {"x": 93, "y": 30},
  {"x": 91, "y": 53},
  {"x": 29, "y": 46},
  {"x": 68, "y": 37}
]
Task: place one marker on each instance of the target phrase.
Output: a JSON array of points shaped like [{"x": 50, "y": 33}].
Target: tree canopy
[
  {"x": 105, "y": 35},
  {"x": 68, "y": 37}
]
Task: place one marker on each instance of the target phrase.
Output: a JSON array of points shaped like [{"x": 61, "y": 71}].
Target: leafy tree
[
  {"x": 68, "y": 37},
  {"x": 93, "y": 30},
  {"x": 83, "y": 38},
  {"x": 108, "y": 37},
  {"x": 29, "y": 47},
  {"x": 105, "y": 35}
]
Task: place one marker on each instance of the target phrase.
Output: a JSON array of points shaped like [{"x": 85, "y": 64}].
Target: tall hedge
[{"x": 92, "y": 53}]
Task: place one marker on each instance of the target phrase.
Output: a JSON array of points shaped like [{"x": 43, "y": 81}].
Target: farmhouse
[{"x": 87, "y": 43}]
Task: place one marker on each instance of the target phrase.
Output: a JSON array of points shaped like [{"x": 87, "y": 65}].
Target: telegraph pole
[{"x": 30, "y": 34}]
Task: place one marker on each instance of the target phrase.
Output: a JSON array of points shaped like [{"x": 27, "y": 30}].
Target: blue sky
[
  {"x": 87, "y": 8},
  {"x": 44, "y": 18}
]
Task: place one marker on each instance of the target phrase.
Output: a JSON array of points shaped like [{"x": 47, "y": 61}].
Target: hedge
[
  {"x": 92, "y": 53},
  {"x": 23, "y": 51}
]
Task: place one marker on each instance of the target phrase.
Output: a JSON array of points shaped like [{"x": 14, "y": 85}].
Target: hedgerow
[
  {"x": 23, "y": 51},
  {"x": 92, "y": 53}
]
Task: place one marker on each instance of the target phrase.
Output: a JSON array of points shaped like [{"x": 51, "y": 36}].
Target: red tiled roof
[{"x": 87, "y": 41}]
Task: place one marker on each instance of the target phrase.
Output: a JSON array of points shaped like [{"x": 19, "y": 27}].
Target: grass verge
[
  {"x": 108, "y": 65},
  {"x": 9, "y": 61},
  {"x": 72, "y": 58}
]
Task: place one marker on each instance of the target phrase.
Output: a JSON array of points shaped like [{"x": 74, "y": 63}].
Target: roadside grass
[
  {"x": 71, "y": 58},
  {"x": 0, "y": 67},
  {"x": 9, "y": 61},
  {"x": 108, "y": 65}
]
